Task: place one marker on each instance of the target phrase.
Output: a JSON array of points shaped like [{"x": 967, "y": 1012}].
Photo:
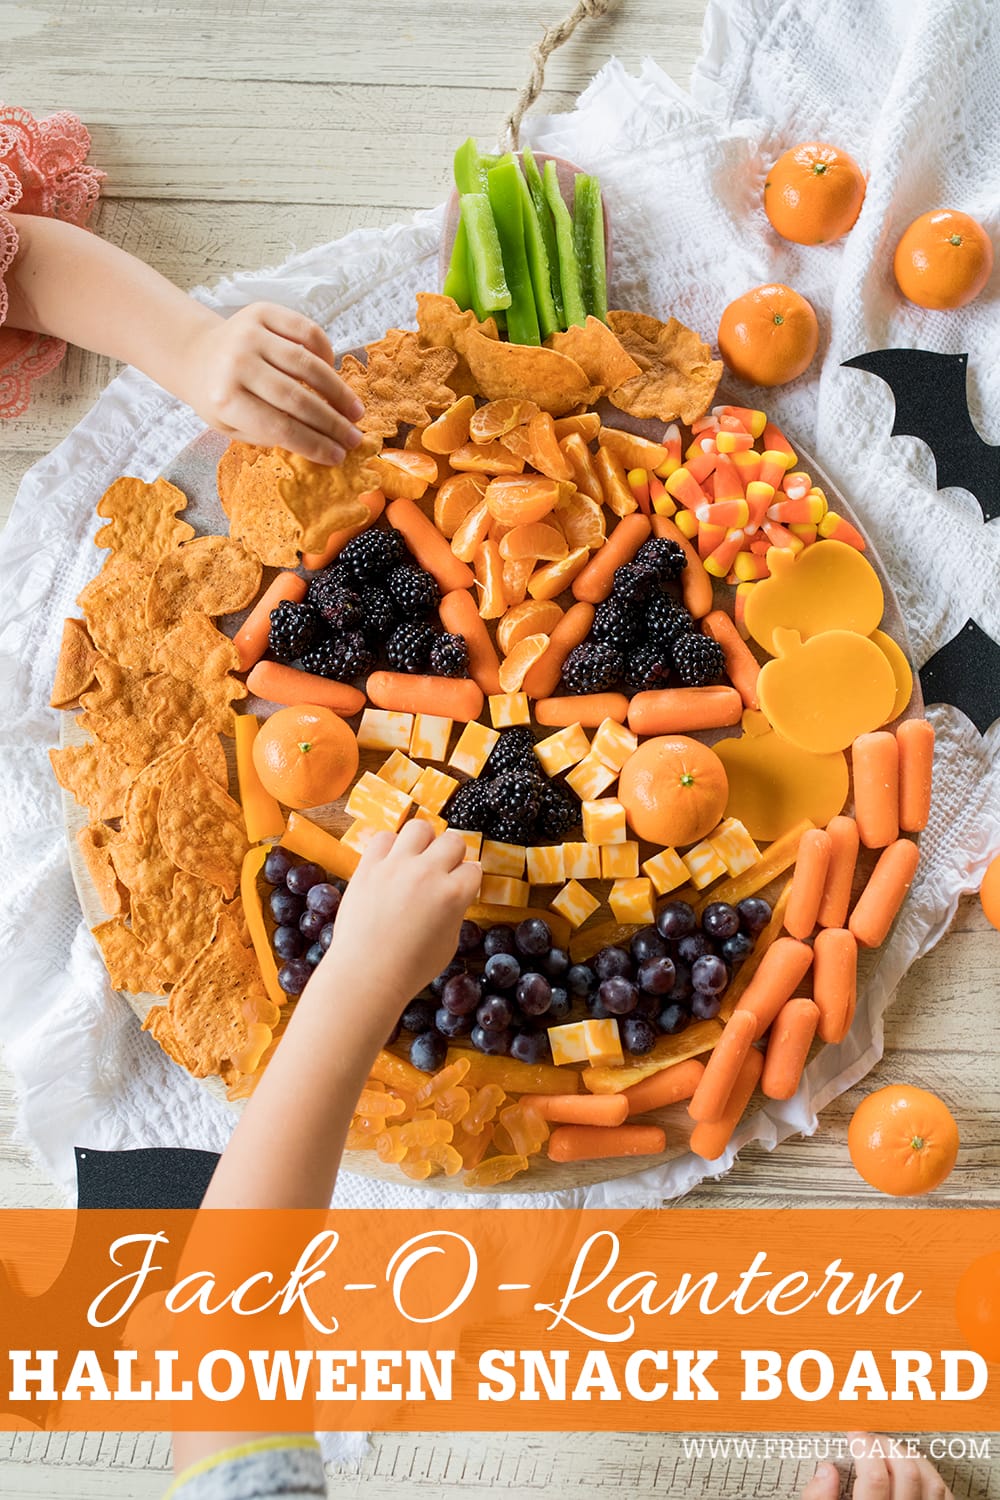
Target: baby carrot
[
  {"x": 708, "y": 1102},
  {"x": 588, "y": 709},
  {"x": 408, "y": 693},
  {"x": 808, "y": 882},
  {"x": 783, "y": 967},
  {"x": 428, "y": 546},
  {"x": 590, "y": 1142},
  {"x": 251, "y": 638},
  {"x": 375, "y": 501},
  {"x": 875, "y": 763},
  {"x": 835, "y": 981},
  {"x": 459, "y": 614},
  {"x": 788, "y": 1047},
  {"x": 696, "y": 585},
  {"x": 885, "y": 892},
  {"x": 593, "y": 583},
  {"x": 276, "y": 683},
  {"x": 844, "y": 842},
  {"x": 582, "y": 1109},
  {"x": 543, "y": 678},
  {"x": 710, "y": 1138},
  {"x": 742, "y": 666},
  {"x": 915, "y": 738},
  {"x": 678, "y": 710},
  {"x": 667, "y": 1087}
]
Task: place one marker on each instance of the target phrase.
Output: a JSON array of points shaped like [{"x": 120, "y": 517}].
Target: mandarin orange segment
[
  {"x": 516, "y": 573},
  {"x": 582, "y": 521},
  {"x": 538, "y": 445},
  {"x": 451, "y": 429},
  {"x": 454, "y": 500},
  {"x": 587, "y": 424},
  {"x": 581, "y": 461},
  {"x": 618, "y": 494},
  {"x": 533, "y": 617},
  {"x": 472, "y": 532},
  {"x": 537, "y": 540},
  {"x": 485, "y": 458},
  {"x": 488, "y": 567},
  {"x": 632, "y": 451},
  {"x": 516, "y": 666},
  {"x": 548, "y": 582},
  {"x": 497, "y": 417},
  {"x": 519, "y": 500},
  {"x": 414, "y": 443},
  {"x": 404, "y": 472}
]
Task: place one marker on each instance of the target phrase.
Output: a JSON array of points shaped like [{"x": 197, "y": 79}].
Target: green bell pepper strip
[
  {"x": 505, "y": 186},
  {"x": 457, "y": 281},
  {"x": 470, "y": 169},
  {"x": 487, "y": 283},
  {"x": 538, "y": 261},
  {"x": 588, "y": 236},
  {"x": 574, "y": 308},
  {"x": 544, "y": 217}
]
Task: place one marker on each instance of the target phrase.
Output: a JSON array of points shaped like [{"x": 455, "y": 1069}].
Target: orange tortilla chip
[
  {"x": 200, "y": 826},
  {"x": 228, "y": 471},
  {"x": 402, "y": 381},
  {"x": 324, "y": 499},
  {"x": 598, "y": 353},
  {"x": 94, "y": 843},
  {"x": 75, "y": 667},
  {"x": 141, "y": 863},
  {"x": 198, "y": 654},
  {"x": 125, "y": 957},
  {"x": 213, "y": 575},
  {"x": 259, "y": 519},
  {"x": 160, "y": 1025},
  {"x": 140, "y": 716},
  {"x": 176, "y": 928},
  {"x": 142, "y": 519},
  {"x": 219, "y": 1012},
  {"x": 553, "y": 381},
  {"x": 442, "y": 324},
  {"x": 114, "y": 608},
  {"x": 679, "y": 376},
  {"x": 96, "y": 775}
]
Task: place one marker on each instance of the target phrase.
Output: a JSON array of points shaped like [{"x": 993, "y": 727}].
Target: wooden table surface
[{"x": 234, "y": 132}]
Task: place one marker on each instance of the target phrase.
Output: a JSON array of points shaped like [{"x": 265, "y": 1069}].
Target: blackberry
[
  {"x": 373, "y": 554},
  {"x": 592, "y": 668},
  {"x": 378, "y": 617},
  {"x": 294, "y": 628},
  {"x": 469, "y": 807},
  {"x": 647, "y": 668},
  {"x": 342, "y": 657},
  {"x": 504, "y": 829},
  {"x": 632, "y": 583},
  {"x": 340, "y": 607},
  {"x": 558, "y": 811},
  {"x": 515, "y": 794},
  {"x": 616, "y": 624},
  {"x": 515, "y": 747},
  {"x": 666, "y": 620},
  {"x": 450, "y": 656},
  {"x": 661, "y": 557},
  {"x": 414, "y": 591},
  {"x": 408, "y": 649},
  {"x": 336, "y": 576},
  {"x": 698, "y": 660}
]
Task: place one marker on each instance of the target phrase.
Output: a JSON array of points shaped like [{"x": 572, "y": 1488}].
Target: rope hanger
[{"x": 553, "y": 38}]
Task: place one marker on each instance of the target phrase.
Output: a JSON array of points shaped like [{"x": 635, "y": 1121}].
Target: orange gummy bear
[
  {"x": 525, "y": 1129},
  {"x": 483, "y": 1106},
  {"x": 441, "y": 1081},
  {"x": 496, "y": 1169}
]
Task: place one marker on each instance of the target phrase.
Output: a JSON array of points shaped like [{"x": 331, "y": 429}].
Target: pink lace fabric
[{"x": 43, "y": 170}]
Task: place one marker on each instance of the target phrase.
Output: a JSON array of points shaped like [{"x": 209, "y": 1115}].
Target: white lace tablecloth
[{"x": 900, "y": 83}]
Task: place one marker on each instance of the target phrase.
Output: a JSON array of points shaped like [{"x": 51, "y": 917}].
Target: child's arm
[{"x": 246, "y": 376}]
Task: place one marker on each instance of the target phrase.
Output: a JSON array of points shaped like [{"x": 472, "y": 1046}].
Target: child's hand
[
  {"x": 247, "y": 376},
  {"x": 878, "y": 1478},
  {"x": 397, "y": 926}
]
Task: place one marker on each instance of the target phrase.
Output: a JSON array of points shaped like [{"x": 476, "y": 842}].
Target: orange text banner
[{"x": 511, "y": 1320}]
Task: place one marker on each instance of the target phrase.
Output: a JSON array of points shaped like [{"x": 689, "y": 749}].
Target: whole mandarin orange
[
  {"x": 989, "y": 892},
  {"x": 903, "y": 1140},
  {"x": 943, "y": 260},
  {"x": 673, "y": 790},
  {"x": 769, "y": 335},
  {"x": 813, "y": 193},
  {"x": 977, "y": 1305},
  {"x": 305, "y": 756}
]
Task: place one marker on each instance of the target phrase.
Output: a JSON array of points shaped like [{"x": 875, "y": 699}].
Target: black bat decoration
[
  {"x": 932, "y": 404},
  {"x": 966, "y": 672}
]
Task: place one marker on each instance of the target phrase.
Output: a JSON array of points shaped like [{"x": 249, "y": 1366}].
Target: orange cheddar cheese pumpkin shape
[
  {"x": 901, "y": 670},
  {"x": 773, "y": 785},
  {"x": 830, "y": 586},
  {"x": 822, "y": 693}
]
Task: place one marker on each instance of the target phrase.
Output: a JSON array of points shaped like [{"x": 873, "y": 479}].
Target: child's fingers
[
  {"x": 295, "y": 325},
  {"x": 302, "y": 364},
  {"x": 376, "y": 850},
  {"x": 824, "y": 1485},
  {"x": 907, "y": 1480},
  {"x": 287, "y": 395},
  {"x": 447, "y": 851},
  {"x": 414, "y": 837},
  {"x": 872, "y": 1478},
  {"x": 252, "y": 420}
]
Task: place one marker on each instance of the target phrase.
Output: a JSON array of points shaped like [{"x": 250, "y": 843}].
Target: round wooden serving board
[{"x": 193, "y": 471}]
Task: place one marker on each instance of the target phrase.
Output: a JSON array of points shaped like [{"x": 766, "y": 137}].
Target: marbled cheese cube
[
  {"x": 582, "y": 861},
  {"x": 472, "y": 751},
  {"x": 501, "y": 890},
  {"x": 374, "y": 801},
  {"x": 564, "y": 748},
  {"x": 385, "y": 729},
  {"x": 666, "y": 870},
  {"x": 613, "y": 744},
  {"x": 733, "y": 844},
  {"x": 590, "y": 778},
  {"x": 620, "y": 861},
  {"x": 575, "y": 903},
  {"x": 508, "y": 709},
  {"x": 568, "y": 1044},
  {"x": 502, "y": 859},
  {"x": 704, "y": 864},
  {"x": 424, "y": 815},
  {"x": 399, "y": 771},
  {"x": 632, "y": 900},
  {"x": 359, "y": 836},
  {"x": 604, "y": 822},
  {"x": 473, "y": 842},
  {"x": 433, "y": 789},
  {"x": 430, "y": 737},
  {"x": 545, "y": 865},
  {"x": 603, "y": 1043}
]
